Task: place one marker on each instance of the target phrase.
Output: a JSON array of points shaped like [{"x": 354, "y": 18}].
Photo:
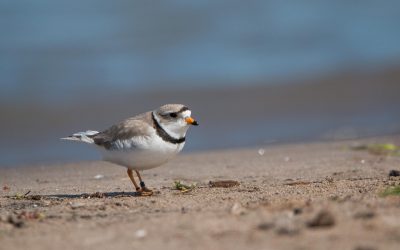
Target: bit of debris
[
  {"x": 265, "y": 226},
  {"x": 28, "y": 215},
  {"x": 184, "y": 188},
  {"x": 297, "y": 211},
  {"x": 19, "y": 196},
  {"x": 394, "y": 173},
  {"x": 391, "y": 191},
  {"x": 6, "y": 188},
  {"x": 295, "y": 183},
  {"x": 329, "y": 179},
  {"x": 141, "y": 233},
  {"x": 98, "y": 177},
  {"x": 18, "y": 219},
  {"x": 34, "y": 197},
  {"x": 75, "y": 205},
  {"x": 365, "y": 248},
  {"x": 238, "y": 209},
  {"x": 223, "y": 184},
  {"x": 323, "y": 218},
  {"x": 379, "y": 149},
  {"x": 286, "y": 226},
  {"x": 364, "y": 214},
  {"x": 16, "y": 222},
  {"x": 261, "y": 151}
]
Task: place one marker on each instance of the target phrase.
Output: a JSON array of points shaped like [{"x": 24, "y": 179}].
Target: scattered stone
[
  {"x": 296, "y": 183},
  {"x": 223, "y": 184},
  {"x": 261, "y": 151},
  {"x": 6, "y": 188},
  {"x": 394, "y": 173},
  {"x": 42, "y": 181},
  {"x": 365, "y": 248},
  {"x": 323, "y": 218},
  {"x": 141, "y": 233},
  {"x": 18, "y": 219},
  {"x": 238, "y": 209},
  {"x": 34, "y": 197},
  {"x": 265, "y": 226},
  {"x": 98, "y": 177},
  {"x": 365, "y": 214},
  {"x": 15, "y": 221},
  {"x": 85, "y": 216},
  {"x": 297, "y": 211},
  {"x": 75, "y": 205},
  {"x": 329, "y": 179},
  {"x": 286, "y": 226}
]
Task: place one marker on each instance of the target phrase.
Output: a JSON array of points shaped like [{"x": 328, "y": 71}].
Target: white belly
[{"x": 142, "y": 153}]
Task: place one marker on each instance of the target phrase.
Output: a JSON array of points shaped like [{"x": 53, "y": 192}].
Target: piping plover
[{"x": 144, "y": 141}]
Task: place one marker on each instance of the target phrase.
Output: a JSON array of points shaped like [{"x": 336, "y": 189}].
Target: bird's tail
[{"x": 82, "y": 136}]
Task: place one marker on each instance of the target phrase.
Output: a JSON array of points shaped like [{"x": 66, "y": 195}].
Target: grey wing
[{"x": 126, "y": 130}]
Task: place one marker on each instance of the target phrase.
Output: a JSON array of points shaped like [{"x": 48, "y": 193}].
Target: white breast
[{"x": 141, "y": 153}]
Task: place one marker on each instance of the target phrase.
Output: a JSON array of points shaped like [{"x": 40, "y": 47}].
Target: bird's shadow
[{"x": 89, "y": 195}]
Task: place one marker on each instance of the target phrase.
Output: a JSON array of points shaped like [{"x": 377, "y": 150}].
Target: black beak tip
[{"x": 195, "y": 123}]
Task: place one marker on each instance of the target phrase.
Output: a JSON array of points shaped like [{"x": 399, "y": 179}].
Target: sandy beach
[{"x": 297, "y": 196}]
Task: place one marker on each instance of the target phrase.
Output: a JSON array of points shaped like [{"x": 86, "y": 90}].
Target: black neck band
[{"x": 163, "y": 134}]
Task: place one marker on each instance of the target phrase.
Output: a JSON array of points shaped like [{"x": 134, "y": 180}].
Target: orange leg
[
  {"x": 143, "y": 189},
  {"x": 130, "y": 174}
]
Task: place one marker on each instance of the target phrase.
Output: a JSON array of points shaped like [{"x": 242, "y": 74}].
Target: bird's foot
[{"x": 144, "y": 191}]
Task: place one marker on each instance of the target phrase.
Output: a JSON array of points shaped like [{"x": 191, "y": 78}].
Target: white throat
[{"x": 176, "y": 129}]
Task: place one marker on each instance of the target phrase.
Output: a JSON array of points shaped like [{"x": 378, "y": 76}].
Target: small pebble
[
  {"x": 75, "y": 205},
  {"x": 297, "y": 211},
  {"x": 238, "y": 209},
  {"x": 99, "y": 176},
  {"x": 261, "y": 151},
  {"x": 394, "y": 173},
  {"x": 265, "y": 226},
  {"x": 323, "y": 218},
  {"x": 366, "y": 214},
  {"x": 286, "y": 226},
  {"x": 16, "y": 222},
  {"x": 365, "y": 248},
  {"x": 223, "y": 183},
  {"x": 141, "y": 233}
]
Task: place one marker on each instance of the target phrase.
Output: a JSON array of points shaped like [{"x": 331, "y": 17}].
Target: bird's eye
[{"x": 173, "y": 115}]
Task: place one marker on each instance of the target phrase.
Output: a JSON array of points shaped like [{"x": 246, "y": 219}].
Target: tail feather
[{"x": 82, "y": 136}]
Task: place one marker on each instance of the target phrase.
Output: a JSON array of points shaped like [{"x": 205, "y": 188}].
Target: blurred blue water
[
  {"x": 50, "y": 49},
  {"x": 54, "y": 53}
]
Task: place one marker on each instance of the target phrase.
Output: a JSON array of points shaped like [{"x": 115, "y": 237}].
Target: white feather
[{"x": 82, "y": 136}]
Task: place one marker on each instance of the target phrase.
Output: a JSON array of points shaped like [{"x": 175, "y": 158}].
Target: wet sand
[{"x": 297, "y": 196}]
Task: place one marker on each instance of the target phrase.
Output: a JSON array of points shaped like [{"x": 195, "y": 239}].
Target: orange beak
[{"x": 191, "y": 121}]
